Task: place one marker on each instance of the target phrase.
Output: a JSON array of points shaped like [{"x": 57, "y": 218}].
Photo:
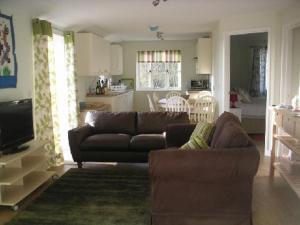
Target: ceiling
[{"x": 119, "y": 20}]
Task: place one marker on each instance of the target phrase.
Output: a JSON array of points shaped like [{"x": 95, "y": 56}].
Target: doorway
[{"x": 248, "y": 81}]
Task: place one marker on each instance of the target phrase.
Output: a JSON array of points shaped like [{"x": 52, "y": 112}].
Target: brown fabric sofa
[
  {"x": 121, "y": 137},
  {"x": 207, "y": 187}
]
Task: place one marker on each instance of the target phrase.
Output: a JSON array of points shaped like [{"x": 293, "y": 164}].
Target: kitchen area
[
  {"x": 99, "y": 67},
  {"x": 106, "y": 72}
]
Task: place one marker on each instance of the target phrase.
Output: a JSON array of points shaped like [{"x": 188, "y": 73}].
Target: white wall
[
  {"x": 260, "y": 22},
  {"x": 296, "y": 62},
  {"x": 23, "y": 41},
  {"x": 188, "y": 51},
  {"x": 290, "y": 21}
]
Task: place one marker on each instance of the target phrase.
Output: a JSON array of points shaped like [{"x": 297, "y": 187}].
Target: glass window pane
[
  {"x": 158, "y": 75},
  {"x": 144, "y": 73}
]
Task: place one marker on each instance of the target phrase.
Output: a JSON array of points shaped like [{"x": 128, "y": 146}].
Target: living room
[{"x": 67, "y": 60}]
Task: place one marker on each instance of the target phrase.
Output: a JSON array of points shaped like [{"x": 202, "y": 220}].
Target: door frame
[
  {"x": 286, "y": 60},
  {"x": 226, "y": 77}
]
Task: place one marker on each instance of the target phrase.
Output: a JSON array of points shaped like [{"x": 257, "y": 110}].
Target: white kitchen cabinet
[
  {"x": 116, "y": 59},
  {"x": 92, "y": 55},
  {"x": 204, "y": 56}
]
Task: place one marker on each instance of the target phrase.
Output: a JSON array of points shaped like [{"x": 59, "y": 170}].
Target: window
[
  {"x": 61, "y": 93},
  {"x": 158, "y": 70}
]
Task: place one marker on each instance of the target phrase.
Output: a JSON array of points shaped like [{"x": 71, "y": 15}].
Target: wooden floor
[{"x": 274, "y": 202}]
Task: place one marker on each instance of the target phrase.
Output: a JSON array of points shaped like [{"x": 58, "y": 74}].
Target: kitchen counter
[
  {"x": 110, "y": 94},
  {"x": 118, "y": 101}
]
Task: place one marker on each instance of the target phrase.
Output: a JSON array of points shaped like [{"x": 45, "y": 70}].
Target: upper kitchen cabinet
[
  {"x": 116, "y": 60},
  {"x": 204, "y": 56},
  {"x": 92, "y": 55}
]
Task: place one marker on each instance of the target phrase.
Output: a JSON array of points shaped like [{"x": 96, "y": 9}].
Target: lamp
[{"x": 233, "y": 100}]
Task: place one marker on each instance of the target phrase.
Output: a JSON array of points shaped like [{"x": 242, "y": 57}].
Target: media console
[{"x": 21, "y": 173}]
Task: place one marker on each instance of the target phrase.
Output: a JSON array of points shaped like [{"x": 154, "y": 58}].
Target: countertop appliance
[{"x": 202, "y": 84}]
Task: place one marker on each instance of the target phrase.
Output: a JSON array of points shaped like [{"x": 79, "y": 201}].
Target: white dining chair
[
  {"x": 177, "y": 104},
  {"x": 156, "y": 100},
  {"x": 151, "y": 104},
  {"x": 172, "y": 94},
  {"x": 195, "y": 95},
  {"x": 204, "y": 109},
  {"x": 204, "y": 93}
]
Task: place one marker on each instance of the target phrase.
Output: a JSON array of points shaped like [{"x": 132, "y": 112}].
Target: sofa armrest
[
  {"x": 178, "y": 134},
  {"x": 76, "y": 136},
  {"x": 204, "y": 165}
]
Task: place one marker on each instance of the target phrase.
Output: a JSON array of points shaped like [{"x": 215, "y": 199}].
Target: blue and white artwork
[{"x": 8, "y": 60}]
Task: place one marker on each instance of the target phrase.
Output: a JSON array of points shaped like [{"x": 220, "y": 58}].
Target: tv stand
[
  {"x": 22, "y": 173},
  {"x": 15, "y": 149}
]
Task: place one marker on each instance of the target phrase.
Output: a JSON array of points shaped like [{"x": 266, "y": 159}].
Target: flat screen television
[{"x": 16, "y": 125}]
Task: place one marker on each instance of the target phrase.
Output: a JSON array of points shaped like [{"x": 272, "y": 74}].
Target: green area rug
[{"x": 90, "y": 197}]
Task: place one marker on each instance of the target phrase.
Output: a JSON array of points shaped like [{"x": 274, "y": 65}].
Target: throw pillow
[
  {"x": 200, "y": 137},
  {"x": 244, "y": 95}
]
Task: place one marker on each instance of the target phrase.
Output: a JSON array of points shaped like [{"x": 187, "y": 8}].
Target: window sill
[{"x": 158, "y": 90}]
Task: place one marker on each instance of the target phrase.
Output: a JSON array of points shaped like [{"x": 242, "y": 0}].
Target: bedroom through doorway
[{"x": 248, "y": 81}]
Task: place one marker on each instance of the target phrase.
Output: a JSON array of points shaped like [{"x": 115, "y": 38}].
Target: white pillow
[{"x": 245, "y": 97}]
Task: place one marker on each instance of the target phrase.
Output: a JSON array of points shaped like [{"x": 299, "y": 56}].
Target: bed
[{"x": 254, "y": 115}]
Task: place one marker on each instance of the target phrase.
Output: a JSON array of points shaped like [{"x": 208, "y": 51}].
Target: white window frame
[{"x": 138, "y": 88}]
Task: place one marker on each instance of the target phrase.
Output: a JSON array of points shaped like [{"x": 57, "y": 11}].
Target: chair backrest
[
  {"x": 155, "y": 98},
  {"x": 177, "y": 104},
  {"x": 195, "y": 95},
  {"x": 172, "y": 94},
  {"x": 204, "y": 93},
  {"x": 151, "y": 105},
  {"x": 205, "y": 109}
]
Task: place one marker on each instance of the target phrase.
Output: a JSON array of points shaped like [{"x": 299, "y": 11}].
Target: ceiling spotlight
[
  {"x": 159, "y": 35},
  {"x": 156, "y": 2}
]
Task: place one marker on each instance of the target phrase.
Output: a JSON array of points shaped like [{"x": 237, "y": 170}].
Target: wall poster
[{"x": 8, "y": 60}]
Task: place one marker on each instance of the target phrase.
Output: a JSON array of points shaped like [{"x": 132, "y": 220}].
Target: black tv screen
[{"x": 16, "y": 123}]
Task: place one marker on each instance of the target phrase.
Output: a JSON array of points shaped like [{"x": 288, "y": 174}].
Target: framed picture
[
  {"x": 129, "y": 82},
  {"x": 8, "y": 60}
]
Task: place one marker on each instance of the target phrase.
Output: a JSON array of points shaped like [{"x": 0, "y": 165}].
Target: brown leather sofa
[
  {"x": 207, "y": 187},
  {"x": 121, "y": 137}
]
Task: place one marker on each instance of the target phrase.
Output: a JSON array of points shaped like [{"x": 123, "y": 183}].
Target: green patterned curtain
[
  {"x": 167, "y": 56},
  {"x": 71, "y": 80},
  {"x": 45, "y": 105}
]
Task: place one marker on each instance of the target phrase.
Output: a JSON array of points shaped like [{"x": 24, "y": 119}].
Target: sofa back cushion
[
  {"x": 112, "y": 122},
  {"x": 232, "y": 136},
  {"x": 221, "y": 121},
  {"x": 156, "y": 122}
]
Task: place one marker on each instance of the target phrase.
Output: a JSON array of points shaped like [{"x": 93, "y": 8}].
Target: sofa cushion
[
  {"x": 232, "y": 135},
  {"x": 221, "y": 121},
  {"x": 156, "y": 122},
  {"x": 146, "y": 142},
  {"x": 200, "y": 137},
  {"x": 106, "y": 142},
  {"x": 112, "y": 122}
]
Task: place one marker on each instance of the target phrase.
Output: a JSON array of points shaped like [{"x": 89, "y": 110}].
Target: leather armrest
[
  {"x": 76, "y": 136},
  {"x": 178, "y": 134}
]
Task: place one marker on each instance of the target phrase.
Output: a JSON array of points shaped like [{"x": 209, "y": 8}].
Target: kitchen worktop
[
  {"x": 110, "y": 94},
  {"x": 118, "y": 101}
]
